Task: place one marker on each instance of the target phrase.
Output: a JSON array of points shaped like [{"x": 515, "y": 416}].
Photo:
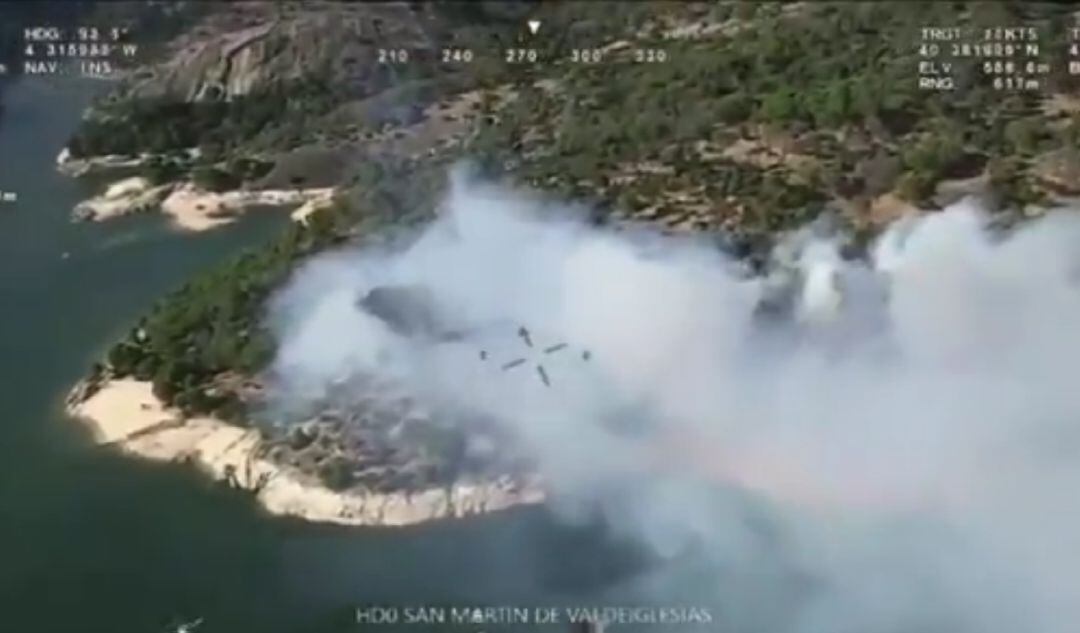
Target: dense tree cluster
[
  {"x": 212, "y": 325},
  {"x": 212, "y": 178},
  {"x": 159, "y": 126},
  {"x": 839, "y": 78},
  {"x": 828, "y": 74}
]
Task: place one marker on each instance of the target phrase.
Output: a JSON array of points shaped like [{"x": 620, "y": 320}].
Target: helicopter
[
  {"x": 411, "y": 312},
  {"x": 524, "y": 334}
]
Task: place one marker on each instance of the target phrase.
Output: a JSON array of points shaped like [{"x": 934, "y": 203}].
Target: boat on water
[{"x": 186, "y": 627}]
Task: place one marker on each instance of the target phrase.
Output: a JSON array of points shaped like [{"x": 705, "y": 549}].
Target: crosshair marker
[{"x": 541, "y": 371}]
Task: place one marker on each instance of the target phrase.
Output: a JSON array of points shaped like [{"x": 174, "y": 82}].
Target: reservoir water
[{"x": 94, "y": 542}]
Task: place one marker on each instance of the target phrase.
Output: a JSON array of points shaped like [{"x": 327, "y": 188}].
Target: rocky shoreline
[
  {"x": 186, "y": 205},
  {"x": 97, "y": 165},
  {"x": 194, "y": 209},
  {"x": 124, "y": 197},
  {"x": 123, "y": 414}
]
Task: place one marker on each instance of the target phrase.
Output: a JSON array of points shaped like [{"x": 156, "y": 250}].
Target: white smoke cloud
[{"x": 913, "y": 430}]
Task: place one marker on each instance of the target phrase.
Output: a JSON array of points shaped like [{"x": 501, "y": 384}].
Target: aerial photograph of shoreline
[{"x": 585, "y": 315}]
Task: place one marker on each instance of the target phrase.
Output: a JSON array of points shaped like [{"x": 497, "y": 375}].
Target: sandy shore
[
  {"x": 193, "y": 209},
  {"x": 130, "y": 195},
  {"x": 304, "y": 211},
  {"x": 125, "y": 414},
  {"x": 78, "y": 167}
]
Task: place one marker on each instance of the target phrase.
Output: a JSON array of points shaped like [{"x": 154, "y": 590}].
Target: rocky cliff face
[{"x": 247, "y": 46}]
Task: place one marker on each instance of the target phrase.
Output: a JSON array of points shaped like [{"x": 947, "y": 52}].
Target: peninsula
[{"x": 740, "y": 120}]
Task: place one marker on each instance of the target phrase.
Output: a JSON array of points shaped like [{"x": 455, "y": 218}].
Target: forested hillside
[{"x": 757, "y": 119}]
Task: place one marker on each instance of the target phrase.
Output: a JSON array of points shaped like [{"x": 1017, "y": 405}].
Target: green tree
[
  {"x": 1024, "y": 134},
  {"x": 832, "y": 104},
  {"x": 214, "y": 179},
  {"x": 160, "y": 170},
  {"x": 734, "y": 108},
  {"x": 780, "y": 105},
  {"x": 211, "y": 152},
  {"x": 165, "y": 381},
  {"x": 123, "y": 357}
]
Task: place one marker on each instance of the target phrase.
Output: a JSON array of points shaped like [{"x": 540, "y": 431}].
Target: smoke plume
[{"x": 901, "y": 434}]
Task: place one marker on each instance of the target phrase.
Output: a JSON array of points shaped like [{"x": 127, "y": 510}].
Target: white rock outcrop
[{"x": 125, "y": 414}]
